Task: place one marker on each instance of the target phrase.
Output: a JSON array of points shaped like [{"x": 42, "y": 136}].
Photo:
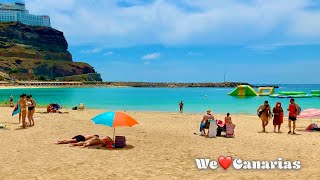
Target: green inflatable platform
[{"x": 243, "y": 90}]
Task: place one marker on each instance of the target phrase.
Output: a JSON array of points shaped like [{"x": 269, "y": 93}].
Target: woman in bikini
[
  {"x": 31, "y": 109},
  {"x": 93, "y": 142},
  {"x": 23, "y": 110}
]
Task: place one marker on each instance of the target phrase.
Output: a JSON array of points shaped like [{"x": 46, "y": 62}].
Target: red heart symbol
[{"x": 225, "y": 161}]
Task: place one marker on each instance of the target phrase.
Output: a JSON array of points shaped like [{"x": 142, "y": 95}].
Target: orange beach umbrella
[{"x": 114, "y": 119}]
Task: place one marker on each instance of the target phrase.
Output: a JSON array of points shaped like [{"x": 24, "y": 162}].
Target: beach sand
[{"x": 162, "y": 146}]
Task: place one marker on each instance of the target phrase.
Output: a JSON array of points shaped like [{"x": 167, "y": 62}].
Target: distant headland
[{"x": 126, "y": 84}]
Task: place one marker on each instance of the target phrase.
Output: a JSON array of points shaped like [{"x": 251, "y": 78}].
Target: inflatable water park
[{"x": 246, "y": 90}]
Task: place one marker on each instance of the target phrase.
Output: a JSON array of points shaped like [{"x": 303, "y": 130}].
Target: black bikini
[{"x": 31, "y": 108}]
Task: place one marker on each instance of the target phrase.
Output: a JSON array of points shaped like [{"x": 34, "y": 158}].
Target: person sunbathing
[
  {"x": 76, "y": 139},
  {"x": 93, "y": 142}
]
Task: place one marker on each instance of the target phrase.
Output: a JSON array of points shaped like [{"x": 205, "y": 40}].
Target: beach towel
[
  {"x": 230, "y": 130},
  {"x": 212, "y": 128},
  {"x": 312, "y": 126},
  {"x": 16, "y": 110}
]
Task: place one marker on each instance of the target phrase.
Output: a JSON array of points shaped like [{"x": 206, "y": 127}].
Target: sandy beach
[{"x": 162, "y": 146}]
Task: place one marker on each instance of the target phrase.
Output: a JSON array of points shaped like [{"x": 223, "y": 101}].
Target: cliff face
[
  {"x": 29, "y": 52},
  {"x": 19, "y": 40}
]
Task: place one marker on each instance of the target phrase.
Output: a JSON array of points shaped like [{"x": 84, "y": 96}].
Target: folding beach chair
[
  {"x": 81, "y": 107},
  {"x": 230, "y": 130}
]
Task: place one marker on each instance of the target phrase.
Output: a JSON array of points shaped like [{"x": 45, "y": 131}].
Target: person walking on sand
[
  {"x": 278, "y": 116},
  {"x": 204, "y": 120},
  {"x": 263, "y": 112},
  {"x": 31, "y": 109},
  {"x": 293, "y": 109},
  {"x": 181, "y": 106},
  {"x": 23, "y": 110}
]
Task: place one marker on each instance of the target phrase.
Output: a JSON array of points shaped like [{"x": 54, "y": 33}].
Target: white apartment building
[{"x": 16, "y": 12}]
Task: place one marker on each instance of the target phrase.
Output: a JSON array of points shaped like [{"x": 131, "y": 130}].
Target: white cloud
[
  {"x": 192, "y": 53},
  {"x": 146, "y": 63},
  {"x": 109, "y": 53},
  {"x": 151, "y": 56},
  {"x": 92, "y": 51},
  {"x": 182, "y": 22}
]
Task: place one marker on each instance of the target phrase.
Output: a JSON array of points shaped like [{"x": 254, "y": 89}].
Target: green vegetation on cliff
[{"x": 32, "y": 53}]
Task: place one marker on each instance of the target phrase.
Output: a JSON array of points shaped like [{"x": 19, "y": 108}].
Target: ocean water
[{"x": 196, "y": 100}]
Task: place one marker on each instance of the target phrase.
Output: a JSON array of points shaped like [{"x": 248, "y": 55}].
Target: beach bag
[
  {"x": 230, "y": 130},
  {"x": 260, "y": 112},
  {"x": 120, "y": 142},
  {"x": 219, "y": 130}
]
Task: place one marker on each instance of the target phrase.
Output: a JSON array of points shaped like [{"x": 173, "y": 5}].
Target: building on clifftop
[{"x": 17, "y": 12}]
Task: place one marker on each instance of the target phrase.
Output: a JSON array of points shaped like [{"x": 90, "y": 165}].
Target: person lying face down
[
  {"x": 93, "y": 142},
  {"x": 76, "y": 139}
]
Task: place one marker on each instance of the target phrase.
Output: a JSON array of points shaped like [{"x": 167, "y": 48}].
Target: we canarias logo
[{"x": 226, "y": 162}]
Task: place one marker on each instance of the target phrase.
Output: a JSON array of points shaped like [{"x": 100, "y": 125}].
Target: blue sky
[{"x": 256, "y": 41}]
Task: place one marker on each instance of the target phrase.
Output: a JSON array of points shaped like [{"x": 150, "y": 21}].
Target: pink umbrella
[{"x": 309, "y": 113}]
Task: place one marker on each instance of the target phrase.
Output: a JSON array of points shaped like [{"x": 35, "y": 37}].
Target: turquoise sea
[{"x": 196, "y": 100}]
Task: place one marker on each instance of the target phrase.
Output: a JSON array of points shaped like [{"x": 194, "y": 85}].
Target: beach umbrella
[
  {"x": 309, "y": 113},
  {"x": 114, "y": 119}
]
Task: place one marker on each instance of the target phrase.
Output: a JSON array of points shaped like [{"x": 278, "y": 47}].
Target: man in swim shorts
[
  {"x": 181, "y": 106},
  {"x": 264, "y": 111},
  {"x": 205, "y": 118},
  {"x": 76, "y": 139},
  {"x": 292, "y": 115}
]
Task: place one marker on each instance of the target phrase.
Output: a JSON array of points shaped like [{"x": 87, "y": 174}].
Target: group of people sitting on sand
[
  {"x": 27, "y": 109},
  {"x": 87, "y": 141},
  {"x": 209, "y": 116}
]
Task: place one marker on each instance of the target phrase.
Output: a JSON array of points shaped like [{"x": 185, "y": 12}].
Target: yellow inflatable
[
  {"x": 270, "y": 90},
  {"x": 245, "y": 90}
]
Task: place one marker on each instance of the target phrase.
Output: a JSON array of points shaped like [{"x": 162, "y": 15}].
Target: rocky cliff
[{"x": 29, "y": 52}]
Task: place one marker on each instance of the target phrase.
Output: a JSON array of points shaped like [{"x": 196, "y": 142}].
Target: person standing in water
[
  {"x": 263, "y": 112},
  {"x": 23, "y": 110},
  {"x": 181, "y": 106},
  {"x": 31, "y": 109}
]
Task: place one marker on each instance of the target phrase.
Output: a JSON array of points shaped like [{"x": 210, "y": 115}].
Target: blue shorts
[{"x": 202, "y": 125}]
